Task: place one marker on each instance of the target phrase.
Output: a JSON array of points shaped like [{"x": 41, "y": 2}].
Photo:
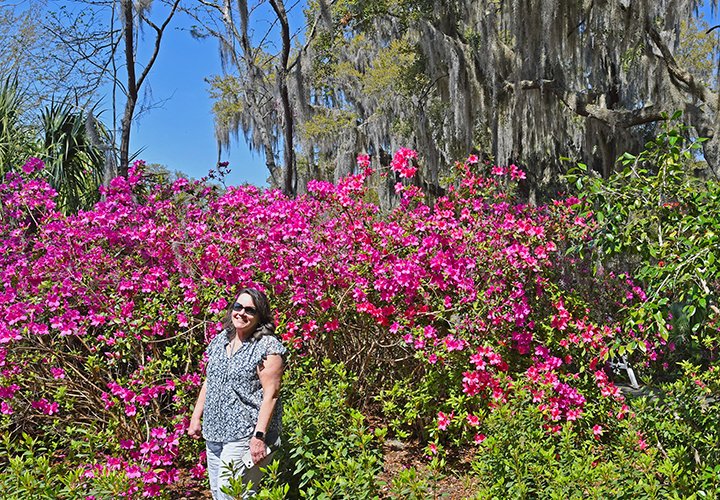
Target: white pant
[{"x": 220, "y": 455}]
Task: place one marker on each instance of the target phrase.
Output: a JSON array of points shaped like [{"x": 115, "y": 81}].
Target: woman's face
[{"x": 245, "y": 318}]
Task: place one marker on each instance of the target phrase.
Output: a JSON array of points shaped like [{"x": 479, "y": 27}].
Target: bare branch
[
  {"x": 158, "y": 38},
  {"x": 680, "y": 76},
  {"x": 577, "y": 102}
]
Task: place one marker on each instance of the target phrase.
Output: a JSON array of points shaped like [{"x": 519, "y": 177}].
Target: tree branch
[
  {"x": 159, "y": 30},
  {"x": 680, "y": 76},
  {"x": 577, "y": 102}
]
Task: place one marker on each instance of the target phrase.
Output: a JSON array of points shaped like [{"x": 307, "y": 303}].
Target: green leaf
[{"x": 690, "y": 311}]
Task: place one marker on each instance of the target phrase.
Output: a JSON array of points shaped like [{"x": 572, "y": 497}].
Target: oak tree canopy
[{"x": 523, "y": 81}]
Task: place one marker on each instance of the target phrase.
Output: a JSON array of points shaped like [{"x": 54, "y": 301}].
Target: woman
[{"x": 239, "y": 401}]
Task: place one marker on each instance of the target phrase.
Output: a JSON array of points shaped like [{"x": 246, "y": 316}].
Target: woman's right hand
[{"x": 195, "y": 429}]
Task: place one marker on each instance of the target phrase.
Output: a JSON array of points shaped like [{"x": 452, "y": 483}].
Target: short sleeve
[
  {"x": 273, "y": 346},
  {"x": 217, "y": 340}
]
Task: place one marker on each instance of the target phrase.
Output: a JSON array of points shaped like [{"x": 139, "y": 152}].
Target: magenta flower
[
  {"x": 133, "y": 472},
  {"x": 363, "y": 160},
  {"x": 516, "y": 173},
  {"x": 127, "y": 444},
  {"x": 401, "y": 162},
  {"x": 444, "y": 420},
  {"x": 158, "y": 433},
  {"x": 33, "y": 165},
  {"x": 198, "y": 471}
]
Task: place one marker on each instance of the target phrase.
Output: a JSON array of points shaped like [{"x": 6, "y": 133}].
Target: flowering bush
[{"x": 104, "y": 315}]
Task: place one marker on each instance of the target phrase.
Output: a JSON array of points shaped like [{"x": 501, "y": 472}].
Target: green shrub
[
  {"x": 30, "y": 469},
  {"x": 658, "y": 223},
  {"x": 523, "y": 458},
  {"x": 683, "y": 422},
  {"x": 661, "y": 447},
  {"x": 327, "y": 450}
]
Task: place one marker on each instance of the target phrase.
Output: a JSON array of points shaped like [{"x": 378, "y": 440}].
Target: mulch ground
[{"x": 455, "y": 482}]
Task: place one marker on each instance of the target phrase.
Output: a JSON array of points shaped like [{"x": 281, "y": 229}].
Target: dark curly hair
[{"x": 266, "y": 322}]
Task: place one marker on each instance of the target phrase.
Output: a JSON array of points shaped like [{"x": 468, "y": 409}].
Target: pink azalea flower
[
  {"x": 443, "y": 420},
  {"x": 199, "y": 471},
  {"x": 158, "y": 433},
  {"x": 127, "y": 444},
  {"x": 516, "y": 173},
  {"x": 6, "y": 409},
  {"x": 642, "y": 444},
  {"x": 133, "y": 472}
]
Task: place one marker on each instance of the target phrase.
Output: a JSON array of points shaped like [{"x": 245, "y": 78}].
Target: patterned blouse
[{"x": 234, "y": 393}]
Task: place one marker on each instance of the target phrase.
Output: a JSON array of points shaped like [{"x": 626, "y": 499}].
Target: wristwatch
[{"x": 260, "y": 435}]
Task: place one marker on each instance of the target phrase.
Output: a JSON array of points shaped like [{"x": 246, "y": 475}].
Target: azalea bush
[{"x": 459, "y": 307}]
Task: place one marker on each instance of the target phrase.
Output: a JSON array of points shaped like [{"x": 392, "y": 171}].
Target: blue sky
[{"x": 180, "y": 133}]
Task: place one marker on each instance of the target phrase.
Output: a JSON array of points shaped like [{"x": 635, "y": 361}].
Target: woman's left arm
[{"x": 270, "y": 374}]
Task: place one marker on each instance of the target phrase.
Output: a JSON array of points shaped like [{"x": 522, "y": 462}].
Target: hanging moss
[{"x": 523, "y": 81}]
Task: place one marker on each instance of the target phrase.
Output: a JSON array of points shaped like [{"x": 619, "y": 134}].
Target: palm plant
[
  {"x": 75, "y": 164},
  {"x": 17, "y": 141},
  {"x": 64, "y": 138}
]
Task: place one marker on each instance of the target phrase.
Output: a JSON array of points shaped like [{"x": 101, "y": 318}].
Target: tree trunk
[
  {"x": 288, "y": 186},
  {"x": 127, "y": 13}
]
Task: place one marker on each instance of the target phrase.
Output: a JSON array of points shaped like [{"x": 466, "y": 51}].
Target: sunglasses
[{"x": 249, "y": 310}]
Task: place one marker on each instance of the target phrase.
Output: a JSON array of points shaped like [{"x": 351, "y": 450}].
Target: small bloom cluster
[{"x": 401, "y": 162}]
